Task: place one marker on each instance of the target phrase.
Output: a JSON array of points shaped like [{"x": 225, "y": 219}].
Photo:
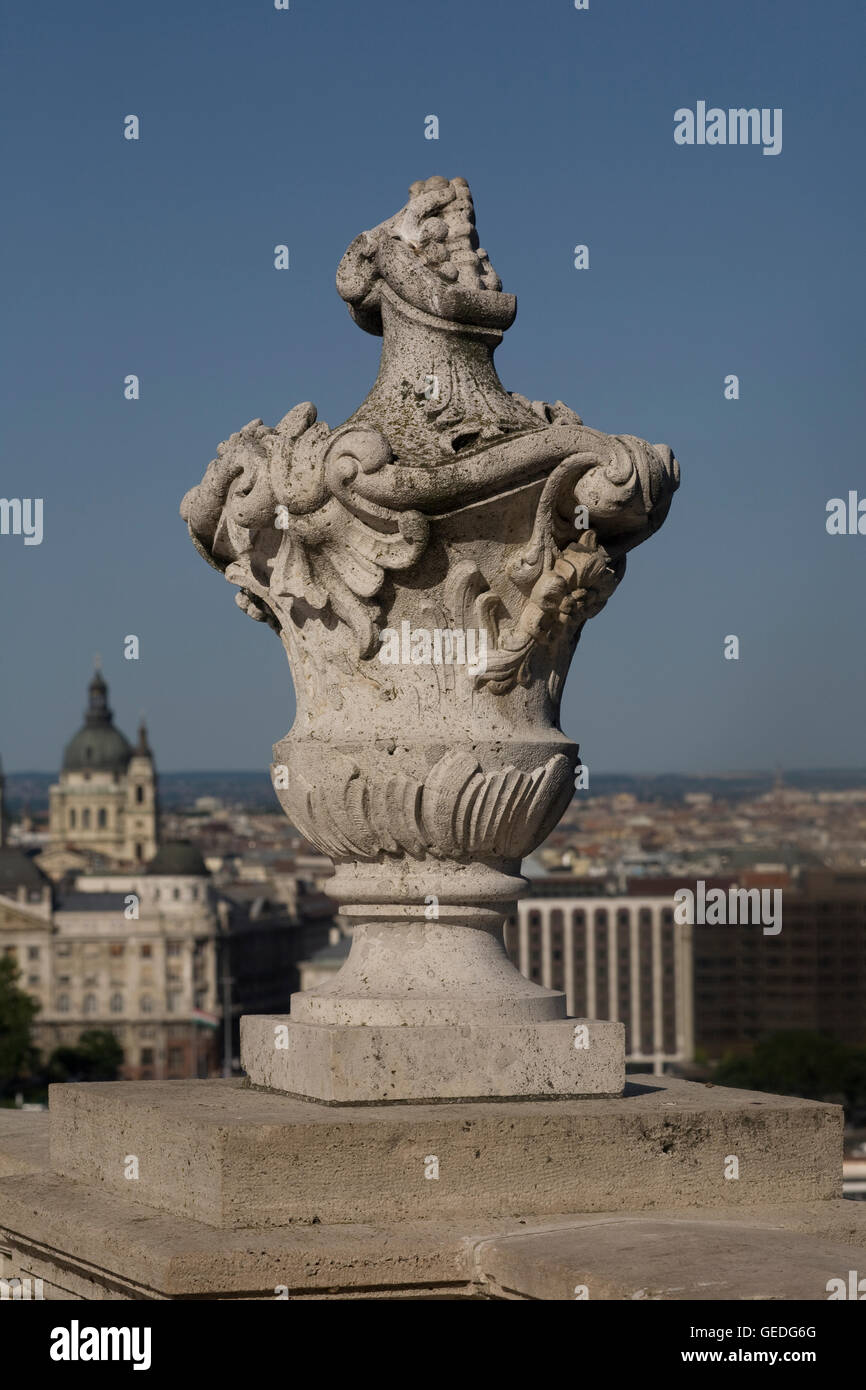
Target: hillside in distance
[{"x": 28, "y": 791}]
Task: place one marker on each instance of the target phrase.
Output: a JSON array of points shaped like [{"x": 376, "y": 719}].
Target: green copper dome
[{"x": 98, "y": 746}]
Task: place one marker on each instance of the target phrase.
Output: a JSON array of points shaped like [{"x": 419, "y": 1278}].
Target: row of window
[
  {"x": 601, "y": 914},
  {"x": 173, "y": 978},
  {"x": 101, "y": 814},
  {"x": 176, "y": 1057},
  {"x": 117, "y": 948},
  {"x": 115, "y": 1003},
  {"x": 101, "y": 818}
]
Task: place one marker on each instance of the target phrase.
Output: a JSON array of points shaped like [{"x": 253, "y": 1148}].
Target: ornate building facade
[
  {"x": 134, "y": 954},
  {"x": 111, "y": 929}
]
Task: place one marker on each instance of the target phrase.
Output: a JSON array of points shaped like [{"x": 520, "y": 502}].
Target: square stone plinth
[
  {"x": 227, "y": 1155},
  {"x": 343, "y": 1065}
]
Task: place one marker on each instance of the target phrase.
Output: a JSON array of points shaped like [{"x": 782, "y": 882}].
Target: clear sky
[{"x": 306, "y": 127}]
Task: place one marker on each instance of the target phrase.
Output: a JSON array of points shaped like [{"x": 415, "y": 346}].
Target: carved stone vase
[{"x": 429, "y": 566}]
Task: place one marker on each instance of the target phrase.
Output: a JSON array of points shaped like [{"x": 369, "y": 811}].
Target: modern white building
[{"x": 620, "y": 958}]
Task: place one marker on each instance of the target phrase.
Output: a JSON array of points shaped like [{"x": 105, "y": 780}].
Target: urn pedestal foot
[
  {"x": 430, "y": 1007},
  {"x": 356, "y": 1065}
]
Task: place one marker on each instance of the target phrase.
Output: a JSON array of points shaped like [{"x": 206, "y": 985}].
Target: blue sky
[{"x": 305, "y": 127}]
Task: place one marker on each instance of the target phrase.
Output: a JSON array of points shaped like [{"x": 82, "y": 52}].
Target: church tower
[{"x": 141, "y": 808}]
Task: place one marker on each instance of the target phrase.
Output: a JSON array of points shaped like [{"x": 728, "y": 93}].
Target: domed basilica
[{"x": 105, "y": 801}]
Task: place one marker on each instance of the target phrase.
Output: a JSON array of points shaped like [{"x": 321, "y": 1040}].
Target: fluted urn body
[{"x": 429, "y": 566}]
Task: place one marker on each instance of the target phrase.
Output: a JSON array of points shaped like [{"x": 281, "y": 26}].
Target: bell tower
[{"x": 141, "y": 809}]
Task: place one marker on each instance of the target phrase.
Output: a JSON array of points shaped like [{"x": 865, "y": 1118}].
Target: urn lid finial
[{"x": 427, "y": 256}]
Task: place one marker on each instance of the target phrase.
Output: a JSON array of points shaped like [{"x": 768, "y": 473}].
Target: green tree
[
  {"x": 97, "y": 1056},
  {"x": 793, "y": 1063},
  {"x": 17, "y": 1012}
]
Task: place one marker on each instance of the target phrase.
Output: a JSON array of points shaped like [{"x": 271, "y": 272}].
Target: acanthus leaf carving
[
  {"x": 276, "y": 512},
  {"x": 456, "y": 811}
]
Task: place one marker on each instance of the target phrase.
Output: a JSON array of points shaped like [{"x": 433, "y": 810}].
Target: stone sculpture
[{"x": 447, "y": 516}]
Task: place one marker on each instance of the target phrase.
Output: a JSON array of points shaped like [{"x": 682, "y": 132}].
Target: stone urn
[{"x": 429, "y": 566}]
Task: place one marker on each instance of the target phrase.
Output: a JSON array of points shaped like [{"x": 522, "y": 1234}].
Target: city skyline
[{"x": 849, "y": 770}]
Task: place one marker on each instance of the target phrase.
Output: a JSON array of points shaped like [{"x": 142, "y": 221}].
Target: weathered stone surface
[
  {"x": 23, "y": 1141},
  {"x": 94, "y": 1239},
  {"x": 630, "y": 1257},
  {"x": 350, "y": 1064},
  {"x": 90, "y": 1243},
  {"x": 225, "y": 1154},
  {"x": 94, "y": 1244},
  {"x": 429, "y": 565}
]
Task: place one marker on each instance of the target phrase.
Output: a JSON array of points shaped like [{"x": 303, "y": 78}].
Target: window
[
  {"x": 32, "y": 952},
  {"x": 64, "y": 948},
  {"x": 102, "y": 818},
  {"x": 116, "y": 948},
  {"x": 139, "y": 850},
  {"x": 32, "y": 980},
  {"x": 146, "y": 1004},
  {"x": 147, "y": 1056},
  {"x": 139, "y": 794},
  {"x": 90, "y": 1003},
  {"x": 63, "y": 1003},
  {"x": 175, "y": 893},
  {"x": 173, "y": 948},
  {"x": 116, "y": 1004},
  {"x": 146, "y": 951},
  {"x": 85, "y": 818},
  {"x": 172, "y": 1000},
  {"x": 175, "y": 1059},
  {"x": 72, "y": 819}
]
